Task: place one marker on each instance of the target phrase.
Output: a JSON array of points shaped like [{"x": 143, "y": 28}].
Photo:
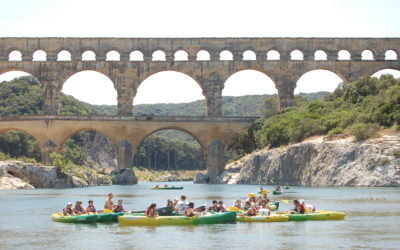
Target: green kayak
[
  {"x": 320, "y": 215},
  {"x": 92, "y": 218},
  {"x": 107, "y": 217},
  {"x": 287, "y": 187},
  {"x": 131, "y": 220},
  {"x": 277, "y": 192}
]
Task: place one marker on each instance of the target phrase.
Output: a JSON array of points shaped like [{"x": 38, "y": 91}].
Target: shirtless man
[{"x": 109, "y": 203}]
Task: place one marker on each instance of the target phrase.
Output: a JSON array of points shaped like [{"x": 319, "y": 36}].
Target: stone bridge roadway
[{"x": 212, "y": 133}]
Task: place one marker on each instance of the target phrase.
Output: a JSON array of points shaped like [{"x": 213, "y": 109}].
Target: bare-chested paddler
[{"x": 109, "y": 203}]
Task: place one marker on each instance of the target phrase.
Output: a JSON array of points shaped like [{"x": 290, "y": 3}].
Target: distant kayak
[
  {"x": 277, "y": 192},
  {"x": 166, "y": 188},
  {"x": 287, "y": 187},
  {"x": 91, "y": 218},
  {"x": 260, "y": 218},
  {"x": 320, "y": 215},
  {"x": 131, "y": 220}
]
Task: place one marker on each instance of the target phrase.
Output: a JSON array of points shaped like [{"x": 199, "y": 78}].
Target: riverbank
[
  {"x": 146, "y": 175},
  {"x": 323, "y": 161}
]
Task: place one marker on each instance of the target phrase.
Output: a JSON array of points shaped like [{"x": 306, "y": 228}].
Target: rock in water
[
  {"x": 201, "y": 178},
  {"x": 11, "y": 182},
  {"x": 124, "y": 176}
]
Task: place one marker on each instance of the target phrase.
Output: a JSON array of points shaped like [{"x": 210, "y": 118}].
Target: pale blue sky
[{"x": 206, "y": 18}]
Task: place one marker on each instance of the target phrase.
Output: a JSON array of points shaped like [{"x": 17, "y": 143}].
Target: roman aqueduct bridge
[{"x": 209, "y": 61}]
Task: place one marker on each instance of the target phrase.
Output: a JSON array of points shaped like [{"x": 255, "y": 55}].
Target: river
[{"x": 372, "y": 220}]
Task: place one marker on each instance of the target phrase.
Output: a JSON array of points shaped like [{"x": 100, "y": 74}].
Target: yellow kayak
[
  {"x": 319, "y": 215},
  {"x": 260, "y": 218}
]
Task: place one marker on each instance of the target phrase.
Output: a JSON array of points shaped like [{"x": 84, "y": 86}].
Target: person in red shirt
[
  {"x": 251, "y": 210},
  {"x": 151, "y": 211},
  {"x": 298, "y": 207}
]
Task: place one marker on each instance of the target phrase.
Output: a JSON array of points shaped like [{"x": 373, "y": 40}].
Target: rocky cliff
[
  {"x": 17, "y": 175},
  {"x": 322, "y": 162}
]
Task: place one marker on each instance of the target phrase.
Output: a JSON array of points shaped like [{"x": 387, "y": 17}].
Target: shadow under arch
[
  {"x": 180, "y": 129},
  {"x": 170, "y": 151}
]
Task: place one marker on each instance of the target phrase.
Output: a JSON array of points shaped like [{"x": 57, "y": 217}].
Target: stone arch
[
  {"x": 202, "y": 143},
  {"x": 15, "y": 54},
  {"x": 89, "y": 55},
  {"x": 249, "y": 55},
  {"x": 38, "y": 137},
  {"x": 168, "y": 153},
  {"x": 296, "y": 55},
  {"x": 136, "y": 55},
  {"x": 89, "y": 69},
  {"x": 344, "y": 55},
  {"x": 113, "y": 55},
  {"x": 391, "y": 55},
  {"x": 62, "y": 137},
  {"x": 273, "y": 54},
  {"x": 225, "y": 55},
  {"x": 252, "y": 69},
  {"x": 324, "y": 71},
  {"x": 203, "y": 55},
  {"x": 320, "y": 55},
  {"x": 39, "y": 55},
  {"x": 367, "y": 55},
  {"x": 150, "y": 74},
  {"x": 387, "y": 70},
  {"x": 181, "y": 55},
  {"x": 159, "y": 55},
  {"x": 64, "y": 55},
  {"x": 24, "y": 70}
]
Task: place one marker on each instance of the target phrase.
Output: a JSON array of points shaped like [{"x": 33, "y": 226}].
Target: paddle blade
[{"x": 107, "y": 211}]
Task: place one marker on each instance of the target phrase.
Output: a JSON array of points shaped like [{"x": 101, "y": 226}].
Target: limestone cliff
[
  {"x": 17, "y": 175},
  {"x": 322, "y": 162}
]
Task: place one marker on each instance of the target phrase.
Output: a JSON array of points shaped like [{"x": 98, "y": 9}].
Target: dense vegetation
[{"x": 360, "y": 108}]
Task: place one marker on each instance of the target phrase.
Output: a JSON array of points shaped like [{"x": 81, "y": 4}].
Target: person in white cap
[{"x": 68, "y": 210}]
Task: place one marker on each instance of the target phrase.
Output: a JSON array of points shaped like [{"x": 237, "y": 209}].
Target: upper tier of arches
[{"x": 200, "y": 49}]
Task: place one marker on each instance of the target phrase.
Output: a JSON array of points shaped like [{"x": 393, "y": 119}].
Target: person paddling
[
  {"x": 190, "y": 211},
  {"x": 109, "y": 204},
  {"x": 238, "y": 204},
  {"x": 264, "y": 209},
  {"x": 182, "y": 205},
  {"x": 278, "y": 188},
  {"x": 119, "y": 208},
  {"x": 68, "y": 210},
  {"x": 221, "y": 206},
  {"x": 90, "y": 208},
  {"x": 251, "y": 211},
  {"x": 214, "y": 206},
  {"x": 78, "y": 209},
  {"x": 298, "y": 207},
  {"x": 151, "y": 210}
]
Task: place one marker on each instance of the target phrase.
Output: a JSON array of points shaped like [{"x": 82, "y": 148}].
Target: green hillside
[{"x": 360, "y": 108}]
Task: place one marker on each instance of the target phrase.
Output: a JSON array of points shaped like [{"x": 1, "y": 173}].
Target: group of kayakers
[
  {"x": 252, "y": 206},
  {"x": 78, "y": 209}
]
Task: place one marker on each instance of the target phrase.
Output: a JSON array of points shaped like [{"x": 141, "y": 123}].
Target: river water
[{"x": 372, "y": 220}]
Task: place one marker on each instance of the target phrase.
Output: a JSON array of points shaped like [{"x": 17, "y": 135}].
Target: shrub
[
  {"x": 363, "y": 131},
  {"x": 335, "y": 131},
  {"x": 396, "y": 153}
]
